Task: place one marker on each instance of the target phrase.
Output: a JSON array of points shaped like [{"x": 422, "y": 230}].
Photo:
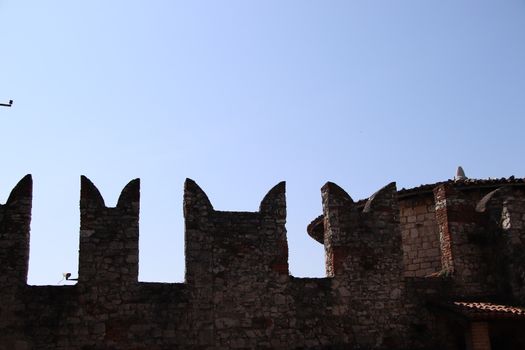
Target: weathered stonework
[
  {"x": 403, "y": 271},
  {"x": 421, "y": 247}
]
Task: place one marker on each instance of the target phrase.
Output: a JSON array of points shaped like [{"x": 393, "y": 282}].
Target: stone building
[{"x": 439, "y": 266}]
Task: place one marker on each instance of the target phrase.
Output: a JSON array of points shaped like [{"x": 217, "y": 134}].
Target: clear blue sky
[{"x": 239, "y": 95}]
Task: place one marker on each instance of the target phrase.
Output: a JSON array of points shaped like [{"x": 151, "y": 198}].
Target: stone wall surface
[
  {"x": 238, "y": 293},
  {"x": 421, "y": 248}
]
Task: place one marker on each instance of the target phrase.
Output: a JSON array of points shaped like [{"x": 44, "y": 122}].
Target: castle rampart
[{"x": 440, "y": 266}]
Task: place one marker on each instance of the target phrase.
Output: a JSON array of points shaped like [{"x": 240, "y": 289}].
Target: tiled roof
[
  {"x": 462, "y": 184},
  {"x": 486, "y": 310}
]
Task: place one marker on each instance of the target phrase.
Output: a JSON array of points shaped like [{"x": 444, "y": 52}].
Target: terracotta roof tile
[{"x": 486, "y": 310}]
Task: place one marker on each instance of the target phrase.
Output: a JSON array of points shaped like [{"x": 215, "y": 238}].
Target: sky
[{"x": 240, "y": 95}]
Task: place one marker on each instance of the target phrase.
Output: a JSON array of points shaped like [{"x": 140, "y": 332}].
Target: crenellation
[
  {"x": 364, "y": 244},
  {"x": 15, "y": 219},
  {"x": 505, "y": 207},
  {"x": 108, "y": 236},
  {"x": 397, "y": 264}
]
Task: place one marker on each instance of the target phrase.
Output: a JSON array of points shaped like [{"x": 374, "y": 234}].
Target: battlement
[
  {"x": 15, "y": 219},
  {"x": 387, "y": 258}
]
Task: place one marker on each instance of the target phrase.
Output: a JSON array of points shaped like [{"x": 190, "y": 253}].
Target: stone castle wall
[
  {"x": 421, "y": 252},
  {"x": 238, "y": 293}
]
